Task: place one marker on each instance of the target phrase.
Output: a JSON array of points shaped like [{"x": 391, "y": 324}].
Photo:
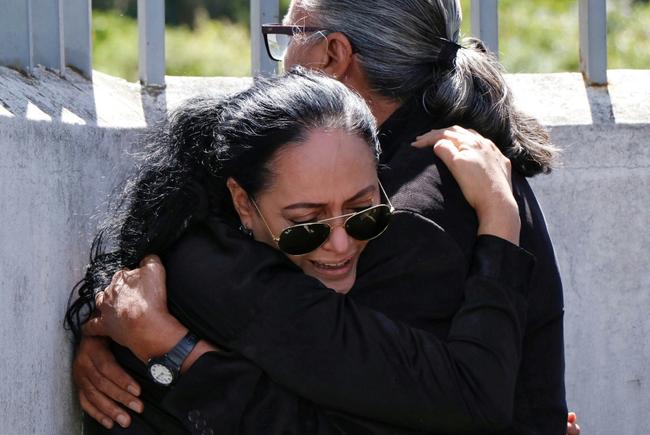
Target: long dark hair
[
  {"x": 182, "y": 172},
  {"x": 409, "y": 49}
]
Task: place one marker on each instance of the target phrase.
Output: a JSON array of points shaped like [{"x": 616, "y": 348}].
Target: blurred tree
[
  {"x": 211, "y": 37},
  {"x": 184, "y": 12}
]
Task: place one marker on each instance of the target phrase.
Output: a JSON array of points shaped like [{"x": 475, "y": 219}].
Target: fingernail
[
  {"x": 122, "y": 420},
  {"x": 107, "y": 423},
  {"x": 137, "y": 407},
  {"x": 133, "y": 390}
]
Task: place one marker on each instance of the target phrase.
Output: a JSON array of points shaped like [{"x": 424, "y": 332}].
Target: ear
[
  {"x": 241, "y": 202},
  {"x": 339, "y": 55}
]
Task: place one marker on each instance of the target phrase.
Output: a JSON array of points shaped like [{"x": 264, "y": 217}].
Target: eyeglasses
[
  {"x": 302, "y": 239},
  {"x": 277, "y": 38}
]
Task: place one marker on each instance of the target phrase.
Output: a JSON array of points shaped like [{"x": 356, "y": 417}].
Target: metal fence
[{"x": 57, "y": 33}]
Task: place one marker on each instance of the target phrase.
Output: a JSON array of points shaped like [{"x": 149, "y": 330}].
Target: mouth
[
  {"x": 331, "y": 266},
  {"x": 333, "y": 269}
]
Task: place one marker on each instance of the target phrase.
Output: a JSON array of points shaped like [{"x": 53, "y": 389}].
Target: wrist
[
  {"x": 500, "y": 219},
  {"x": 160, "y": 337},
  {"x": 201, "y": 348}
]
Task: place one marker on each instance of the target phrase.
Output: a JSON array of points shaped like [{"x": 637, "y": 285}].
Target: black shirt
[{"x": 429, "y": 339}]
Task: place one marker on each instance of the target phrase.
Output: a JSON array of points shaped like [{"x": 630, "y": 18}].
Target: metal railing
[{"x": 57, "y": 33}]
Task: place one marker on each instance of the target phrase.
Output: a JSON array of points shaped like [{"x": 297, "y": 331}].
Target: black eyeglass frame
[
  {"x": 291, "y": 30},
  {"x": 281, "y": 29}
]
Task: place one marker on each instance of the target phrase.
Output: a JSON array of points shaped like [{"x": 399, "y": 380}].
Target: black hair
[{"x": 182, "y": 172}]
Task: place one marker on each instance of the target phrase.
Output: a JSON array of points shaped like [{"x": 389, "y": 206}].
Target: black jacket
[{"x": 435, "y": 336}]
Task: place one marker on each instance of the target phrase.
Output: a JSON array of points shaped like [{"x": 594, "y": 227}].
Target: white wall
[{"x": 64, "y": 144}]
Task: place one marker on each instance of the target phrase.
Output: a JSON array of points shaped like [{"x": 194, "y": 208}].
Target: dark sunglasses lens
[
  {"x": 369, "y": 224},
  {"x": 300, "y": 240}
]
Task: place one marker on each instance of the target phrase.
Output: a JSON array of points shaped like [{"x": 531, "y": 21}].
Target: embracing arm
[
  {"x": 326, "y": 348},
  {"x": 336, "y": 353}
]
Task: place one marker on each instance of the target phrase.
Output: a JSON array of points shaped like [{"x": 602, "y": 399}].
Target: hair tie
[{"x": 447, "y": 55}]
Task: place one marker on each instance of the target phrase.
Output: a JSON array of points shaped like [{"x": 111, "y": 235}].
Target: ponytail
[
  {"x": 407, "y": 49},
  {"x": 474, "y": 94}
]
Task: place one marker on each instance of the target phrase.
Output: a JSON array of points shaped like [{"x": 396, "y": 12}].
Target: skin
[
  {"x": 330, "y": 174},
  {"x": 333, "y": 55}
]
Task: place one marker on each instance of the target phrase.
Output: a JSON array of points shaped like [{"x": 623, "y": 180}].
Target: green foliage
[
  {"x": 115, "y": 44},
  {"x": 213, "y": 48},
  {"x": 543, "y": 35},
  {"x": 535, "y": 36}
]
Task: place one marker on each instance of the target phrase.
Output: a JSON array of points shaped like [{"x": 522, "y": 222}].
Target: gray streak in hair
[{"x": 399, "y": 48}]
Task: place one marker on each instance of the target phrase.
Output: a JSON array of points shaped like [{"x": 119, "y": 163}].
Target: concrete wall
[{"x": 64, "y": 144}]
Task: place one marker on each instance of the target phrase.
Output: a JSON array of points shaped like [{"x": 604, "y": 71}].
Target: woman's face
[{"x": 331, "y": 173}]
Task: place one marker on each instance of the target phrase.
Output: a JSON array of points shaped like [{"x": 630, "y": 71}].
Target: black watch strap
[{"x": 177, "y": 355}]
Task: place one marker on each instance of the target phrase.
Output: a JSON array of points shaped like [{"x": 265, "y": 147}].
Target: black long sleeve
[{"x": 342, "y": 355}]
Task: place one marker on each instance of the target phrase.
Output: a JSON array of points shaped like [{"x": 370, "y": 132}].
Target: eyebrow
[{"x": 356, "y": 196}]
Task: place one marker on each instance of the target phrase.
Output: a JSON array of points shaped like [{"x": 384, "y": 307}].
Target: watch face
[{"x": 161, "y": 374}]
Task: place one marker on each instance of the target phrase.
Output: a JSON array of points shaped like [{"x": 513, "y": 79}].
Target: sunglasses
[
  {"x": 277, "y": 38},
  {"x": 304, "y": 238}
]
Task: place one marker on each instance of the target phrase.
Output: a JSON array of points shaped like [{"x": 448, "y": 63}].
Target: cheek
[
  {"x": 302, "y": 262},
  {"x": 301, "y": 54},
  {"x": 361, "y": 245},
  {"x": 261, "y": 233},
  {"x": 294, "y": 57}
]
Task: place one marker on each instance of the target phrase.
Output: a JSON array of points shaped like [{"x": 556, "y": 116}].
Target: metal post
[
  {"x": 593, "y": 41},
  {"x": 262, "y": 12},
  {"x": 485, "y": 23},
  {"x": 77, "y": 35},
  {"x": 47, "y": 19},
  {"x": 151, "y": 25},
  {"x": 17, "y": 47}
]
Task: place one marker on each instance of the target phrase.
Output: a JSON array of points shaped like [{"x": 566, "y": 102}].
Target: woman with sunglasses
[{"x": 292, "y": 163}]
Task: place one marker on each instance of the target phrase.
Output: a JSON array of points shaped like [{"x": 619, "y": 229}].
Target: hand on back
[{"x": 483, "y": 174}]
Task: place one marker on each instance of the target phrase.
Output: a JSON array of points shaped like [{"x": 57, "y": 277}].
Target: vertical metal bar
[
  {"x": 48, "y": 34},
  {"x": 16, "y": 49},
  {"x": 77, "y": 36},
  {"x": 262, "y": 12},
  {"x": 485, "y": 23},
  {"x": 151, "y": 25},
  {"x": 593, "y": 41}
]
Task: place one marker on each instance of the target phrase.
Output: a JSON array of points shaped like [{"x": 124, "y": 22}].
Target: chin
[{"x": 340, "y": 287}]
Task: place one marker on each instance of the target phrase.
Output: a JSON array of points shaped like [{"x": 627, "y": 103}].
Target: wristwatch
[{"x": 165, "y": 369}]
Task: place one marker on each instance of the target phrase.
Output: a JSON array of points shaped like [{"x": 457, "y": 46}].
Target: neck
[{"x": 381, "y": 107}]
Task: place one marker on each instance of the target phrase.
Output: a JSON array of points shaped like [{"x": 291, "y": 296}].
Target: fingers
[
  {"x": 446, "y": 151},
  {"x": 102, "y": 384},
  {"x": 455, "y": 133},
  {"x": 94, "y": 327},
  {"x": 100, "y": 406},
  {"x": 572, "y": 427},
  {"x": 119, "y": 385},
  {"x": 109, "y": 385},
  {"x": 152, "y": 264},
  {"x": 94, "y": 413},
  {"x": 150, "y": 260}
]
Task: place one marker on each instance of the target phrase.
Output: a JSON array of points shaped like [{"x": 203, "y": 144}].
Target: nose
[{"x": 339, "y": 241}]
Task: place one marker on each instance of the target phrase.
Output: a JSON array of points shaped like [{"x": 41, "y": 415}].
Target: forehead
[
  {"x": 296, "y": 15},
  {"x": 329, "y": 167}
]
